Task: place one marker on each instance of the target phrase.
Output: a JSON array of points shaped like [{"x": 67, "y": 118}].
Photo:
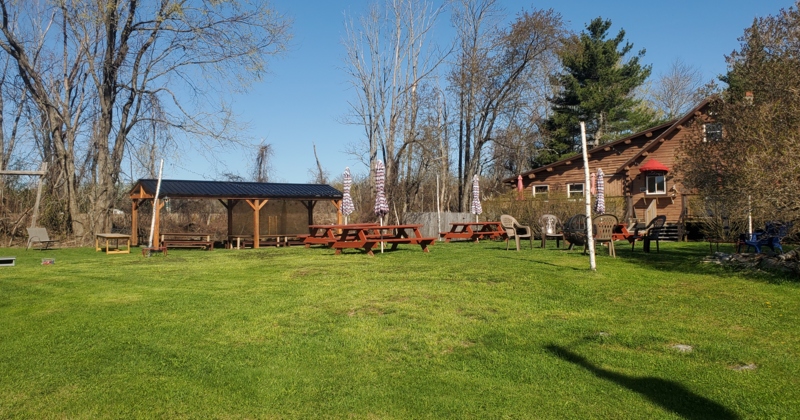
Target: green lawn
[{"x": 466, "y": 331}]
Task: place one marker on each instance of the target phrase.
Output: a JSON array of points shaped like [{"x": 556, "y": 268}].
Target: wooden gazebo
[{"x": 230, "y": 194}]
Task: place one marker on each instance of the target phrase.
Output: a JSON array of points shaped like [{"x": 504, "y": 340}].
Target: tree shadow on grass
[{"x": 670, "y": 395}]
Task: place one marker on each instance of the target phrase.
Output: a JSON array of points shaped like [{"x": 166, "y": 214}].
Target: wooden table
[
  {"x": 326, "y": 234},
  {"x": 368, "y": 236},
  {"x": 187, "y": 240},
  {"x": 474, "y": 231},
  {"x": 621, "y": 232},
  {"x": 115, "y": 237}
]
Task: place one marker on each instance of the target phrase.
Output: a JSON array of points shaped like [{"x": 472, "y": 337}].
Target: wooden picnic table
[
  {"x": 474, "y": 231},
  {"x": 366, "y": 236},
  {"x": 187, "y": 240},
  {"x": 621, "y": 232},
  {"x": 326, "y": 234},
  {"x": 115, "y": 237}
]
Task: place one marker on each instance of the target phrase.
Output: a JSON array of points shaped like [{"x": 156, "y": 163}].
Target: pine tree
[{"x": 596, "y": 86}]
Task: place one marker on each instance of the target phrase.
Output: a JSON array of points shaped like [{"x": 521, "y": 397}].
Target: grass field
[{"x": 465, "y": 331}]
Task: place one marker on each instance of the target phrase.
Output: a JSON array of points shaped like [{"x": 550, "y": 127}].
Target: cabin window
[
  {"x": 540, "y": 190},
  {"x": 712, "y": 132},
  {"x": 656, "y": 184},
  {"x": 574, "y": 190}
]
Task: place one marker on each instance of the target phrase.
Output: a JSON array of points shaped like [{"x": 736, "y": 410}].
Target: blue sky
[{"x": 305, "y": 97}]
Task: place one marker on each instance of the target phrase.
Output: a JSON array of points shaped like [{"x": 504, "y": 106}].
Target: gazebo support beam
[
  {"x": 256, "y": 205},
  {"x": 338, "y": 205},
  {"x": 135, "y": 222}
]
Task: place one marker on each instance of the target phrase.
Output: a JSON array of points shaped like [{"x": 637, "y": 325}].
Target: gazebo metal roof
[{"x": 238, "y": 190}]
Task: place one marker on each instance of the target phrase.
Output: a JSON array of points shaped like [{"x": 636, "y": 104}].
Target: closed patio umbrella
[
  {"x": 476, "y": 198},
  {"x": 347, "y": 201},
  {"x": 519, "y": 187},
  {"x": 381, "y": 207},
  {"x": 600, "y": 204}
]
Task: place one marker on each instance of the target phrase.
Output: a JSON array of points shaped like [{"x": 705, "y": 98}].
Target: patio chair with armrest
[
  {"x": 603, "y": 229},
  {"x": 649, "y": 233},
  {"x": 515, "y": 230},
  {"x": 551, "y": 228}
]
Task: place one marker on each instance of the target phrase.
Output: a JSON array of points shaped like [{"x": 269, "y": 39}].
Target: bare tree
[
  {"x": 263, "y": 165},
  {"x": 390, "y": 58},
  {"x": 491, "y": 75},
  {"x": 319, "y": 175},
  {"x": 119, "y": 59},
  {"x": 677, "y": 90}
]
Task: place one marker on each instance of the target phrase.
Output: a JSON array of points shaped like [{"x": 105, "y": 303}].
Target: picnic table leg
[{"x": 368, "y": 248}]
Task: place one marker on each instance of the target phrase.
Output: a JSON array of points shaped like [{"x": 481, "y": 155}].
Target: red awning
[{"x": 653, "y": 165}]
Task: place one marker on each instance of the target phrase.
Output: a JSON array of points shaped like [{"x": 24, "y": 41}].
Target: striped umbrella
[
  {"x": 347, "y": 201},
  {"x": 600, "y": 204},
  {"x": 381, "y": 207},
  {"x": 476, "y": 198}
]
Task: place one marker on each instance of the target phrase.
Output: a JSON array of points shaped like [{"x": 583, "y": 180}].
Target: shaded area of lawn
[
  {"x": 670, "y": 395},
  {"x": 465, "y": 331}
]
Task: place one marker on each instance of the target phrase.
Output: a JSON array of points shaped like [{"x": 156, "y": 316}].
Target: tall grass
[{"x": 465, "y": 331}]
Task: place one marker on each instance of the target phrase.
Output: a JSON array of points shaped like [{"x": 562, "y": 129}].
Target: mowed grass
[{"x": 465, "y": 331}]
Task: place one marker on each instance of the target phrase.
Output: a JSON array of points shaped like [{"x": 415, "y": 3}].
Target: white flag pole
[
  {"x": 587, "y": 193},
  {"x": 155, "y": 205}
]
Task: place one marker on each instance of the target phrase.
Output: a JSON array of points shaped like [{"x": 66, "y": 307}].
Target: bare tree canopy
[
  {"x": 101, "y": 77},
  {"x": 677, "y": 90},
  {"x": 492, "y": 78}
]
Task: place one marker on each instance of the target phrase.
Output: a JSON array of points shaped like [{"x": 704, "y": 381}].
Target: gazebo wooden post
[
  {"x": 310, "y": 207},
  {"x": 338, "y": 204},
  {"x": 229, "y": 207},
  {"x": 256, "y": 205},
  {"x": 135, "y": 222}
]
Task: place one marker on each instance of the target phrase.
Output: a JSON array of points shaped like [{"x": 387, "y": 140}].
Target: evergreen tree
[{"x": 596, "y": 86}]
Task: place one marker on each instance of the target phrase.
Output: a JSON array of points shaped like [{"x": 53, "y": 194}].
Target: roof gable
[{"x": 647, "y": 140}]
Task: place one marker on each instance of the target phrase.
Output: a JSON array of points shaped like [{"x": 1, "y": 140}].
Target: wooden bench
[{"x": 182, "y": 243}]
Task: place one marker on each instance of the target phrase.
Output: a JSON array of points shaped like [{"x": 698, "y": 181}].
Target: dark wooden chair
[
  {"x": 575, "y": 231},
  {"x": 551, "y": 228},
  {"x": 649, "y": 233}
]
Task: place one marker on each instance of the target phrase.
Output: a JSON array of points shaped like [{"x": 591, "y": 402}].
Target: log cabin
[{"x": 638, "y": 169}]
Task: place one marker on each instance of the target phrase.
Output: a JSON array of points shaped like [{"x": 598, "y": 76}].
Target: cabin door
[{"x": 651, "y": 212}]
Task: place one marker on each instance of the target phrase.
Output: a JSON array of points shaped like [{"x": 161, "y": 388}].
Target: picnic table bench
[
  {"x": 265, "y": 240},
  {"x": 187, "y": 240},
  {"x": 474, "y": 231}
]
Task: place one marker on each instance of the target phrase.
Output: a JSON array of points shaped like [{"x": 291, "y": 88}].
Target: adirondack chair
[
  {"x": 40, "y": 236},
  {"x": 649, "y": 233},
  {"x": 515, "y": 230},
  {"x": 771, "y": 236}
]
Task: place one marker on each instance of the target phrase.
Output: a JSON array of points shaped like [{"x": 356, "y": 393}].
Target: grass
[{"x": 466, "y": 331}]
